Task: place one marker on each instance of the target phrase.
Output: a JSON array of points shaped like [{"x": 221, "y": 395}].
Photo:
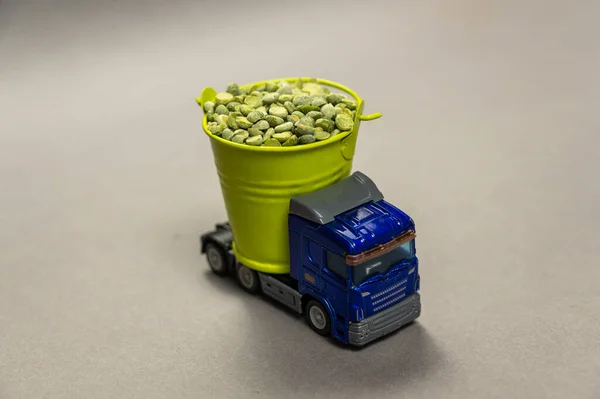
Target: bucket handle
[{"x": 371, "y": 117}]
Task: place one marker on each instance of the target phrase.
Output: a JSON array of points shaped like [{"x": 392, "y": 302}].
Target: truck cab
[{"x": 354, "y": 272}]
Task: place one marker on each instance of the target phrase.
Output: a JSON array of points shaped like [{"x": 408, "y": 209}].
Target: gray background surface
[{"x": 489, "y": 139}]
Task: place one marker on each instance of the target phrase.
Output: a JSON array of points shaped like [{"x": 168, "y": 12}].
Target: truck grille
[{"x": 389, "y": 296}]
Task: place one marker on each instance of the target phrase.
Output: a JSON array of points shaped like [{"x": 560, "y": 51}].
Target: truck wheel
[
  {"x": 318, "y": 318},
  {"x": 216, "y": 259},
  {"x": 248, "y": 279}
]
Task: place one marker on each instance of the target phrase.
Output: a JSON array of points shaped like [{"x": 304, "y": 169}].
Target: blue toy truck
[{"x": 354, "y": 272}]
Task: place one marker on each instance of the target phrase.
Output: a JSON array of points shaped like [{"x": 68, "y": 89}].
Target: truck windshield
[{"x": 381, "y": 264}]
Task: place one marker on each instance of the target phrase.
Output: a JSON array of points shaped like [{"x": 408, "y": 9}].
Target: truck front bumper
[{"x": 385, "y": 322}]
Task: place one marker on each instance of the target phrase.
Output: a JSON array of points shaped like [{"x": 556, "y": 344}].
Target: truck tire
[
  {"x": 318, "y": 317},
  {"x": 247, "y": 278},
  {"x": 217, "y": 261}
]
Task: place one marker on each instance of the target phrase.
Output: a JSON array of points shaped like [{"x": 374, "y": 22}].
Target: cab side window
[{"x": 336, "y": 264}]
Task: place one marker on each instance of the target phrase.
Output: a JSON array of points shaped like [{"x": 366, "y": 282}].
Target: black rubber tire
[
  {"x": 247, "y": 278},
  {"x": 315, "y": 311},
  {"x": 216, "y": 258}
]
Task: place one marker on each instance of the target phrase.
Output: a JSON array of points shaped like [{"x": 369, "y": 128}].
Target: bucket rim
[{"x": 296, "y": 148}]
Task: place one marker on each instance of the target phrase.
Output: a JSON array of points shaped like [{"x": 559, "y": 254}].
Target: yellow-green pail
[{"x": 258, "y": 182}]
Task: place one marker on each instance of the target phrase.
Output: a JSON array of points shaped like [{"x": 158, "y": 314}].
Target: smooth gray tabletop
[{"x": 489, "y": 139}]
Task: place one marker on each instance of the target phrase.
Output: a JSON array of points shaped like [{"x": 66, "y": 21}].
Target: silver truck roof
[{"x": 323, "y": 205}]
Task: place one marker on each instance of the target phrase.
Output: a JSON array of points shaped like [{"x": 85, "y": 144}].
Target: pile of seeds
[{"x": 279, "y": 114}]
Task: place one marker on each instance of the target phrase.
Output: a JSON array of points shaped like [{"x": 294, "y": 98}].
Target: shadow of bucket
[{"x": 257, "y": 183}]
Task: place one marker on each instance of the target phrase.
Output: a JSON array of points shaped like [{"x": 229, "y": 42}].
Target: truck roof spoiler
[{"x": 322, "y": 206}]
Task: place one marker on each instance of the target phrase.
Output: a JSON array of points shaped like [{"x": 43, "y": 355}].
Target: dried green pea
[
  {"x": 292, "y": 118},
  {"x": 302, "y": 99},
  {"x": 348, "y": 112},
  {"x": 285, "y": 89},
  {"x": 344, "y": 122},
  {"x": 287, "y": 126},
  {"x": 233, "y": 106},
  {"x": 269, "y": 133},
  {"x": 238, "y": 139},
  {"x": 221, "y": 110},
  {"x": 271, "y": 143},
  {"x": 335, "y": 132},
  {"x": 210, "y": 117},
  {"x": 318, "y": 102},
  {"x": 315, "y": 115},
  {"x": 263, "y": 110},
  {"x": 217, "y": 129},
  {"x": 326, "y": 124},
  {"x": 293, "y": 140},
  {"x": 335, "y": 98},
  {"x": 338, "y": 110},
  {"x": 321, "y": 135},
  {"x": 298, "y": 114},
  {"x": 246, "y": 109},
  {"x": 311, "y": 88},
  {"x": 283, "y": 98},
  {"x": 274, "y": 120},
  {"x": 241, "y": 133},
  {"x": 224, "y": 98},
  {"x": 302, "y": 130},
  {"x": 278, "y": 111},
  {"x": 307, "y": 120},
  {"x": 349, "y": 103},
  {"x": 282, "y": 137},
  {"x": 254, "y": 131},
  {"x": 227, "y": 134},
  {"x": 233, "y": 89},
  {"x": 243, "y": 122},
  {"x": 268, "y": 99},
  {"x": 307, "y": 108},
  {"x": 209, "y": 106},
  {"x": 231, "y": 121},
  {"x": 254, "y": 140},
  {"x": 306, "y": 139},
  {"x": 271, "y": 87},
  {"x": 255, "y": 116},
  {"x": 253, "y": 100},
  {"x": 222, "y": 119},
  {"x": 289, "y": 106},
  {"x": 262, "y": 125},
  {"x": 328, "y": 111}
]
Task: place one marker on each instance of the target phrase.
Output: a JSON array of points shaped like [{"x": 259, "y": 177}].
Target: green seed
[
  {"x": 254, "y": 140},
  {"x": 271, "y": 87},
  {"x": 344, "y": 122},
  {"x": 307, "y": 120},
  {"x": 321, "y": 135},
  {"x": 307, "y": 108},
  {"x": 287, "y": 126},
  {"x": 221, "y": 119},
  {"x": 282, "y": 137},
  {"x": 233, "y": 106},
  {"x": 231, "y": 122},
  {"x": 302, "y": 130},
  {"x": 263, "y": 110},
  {"x": 318, "y": 102},
  {"x": 227, "y": 134},
  {"x": 307, "y": 139},
  {"x": 311, "y": 88},
  {"x": 291, "y": 141},
  {"x": 283, "y": 98},
  {"x": 246, "y": 109},
  {"x": 285, "y": 89},
  {"x": 217, "y": 129},
  {"x": 262, "y": 125},
  {"x": 254, "y": 131},
  {"x": 278, "y": 111},
  {"x": 224, "y": 98},
  {"x": 221, "y": 110},
  {"x": 338, "y": 110},
  {"x": 233, "y": 89},
  {"x": 315, "y": 115},
  {"x": 349, "y": 103},
  {"x": 302, "y": 100},
  {"x": 243, "y": 122},
  {"x": 292, "y": 118},
  {"x": 269, "y": 99},
  {"x": 274, "y": 120},
  {"x": 210, "y": 117},
  {"x": 335, "y": 132},
  {"x": 238, "y": 139},
  {"x": 289, "y": 106},
  {"x": 328, "y": 111},
  {"x": 269, "y": 133},
  {"x": 326, "y": 124},
  {"x": 241, "y": 133},
  {"x": 254, "y": 101},
  {"x": 272, "y": 143},
  {"x": 335, "y": 98},
  {"x": 209, "y": 106},
  {"x": 348, "y": 112},
  {"x": 298, "y": 114},
  {"x": 255, "y": 116}
]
